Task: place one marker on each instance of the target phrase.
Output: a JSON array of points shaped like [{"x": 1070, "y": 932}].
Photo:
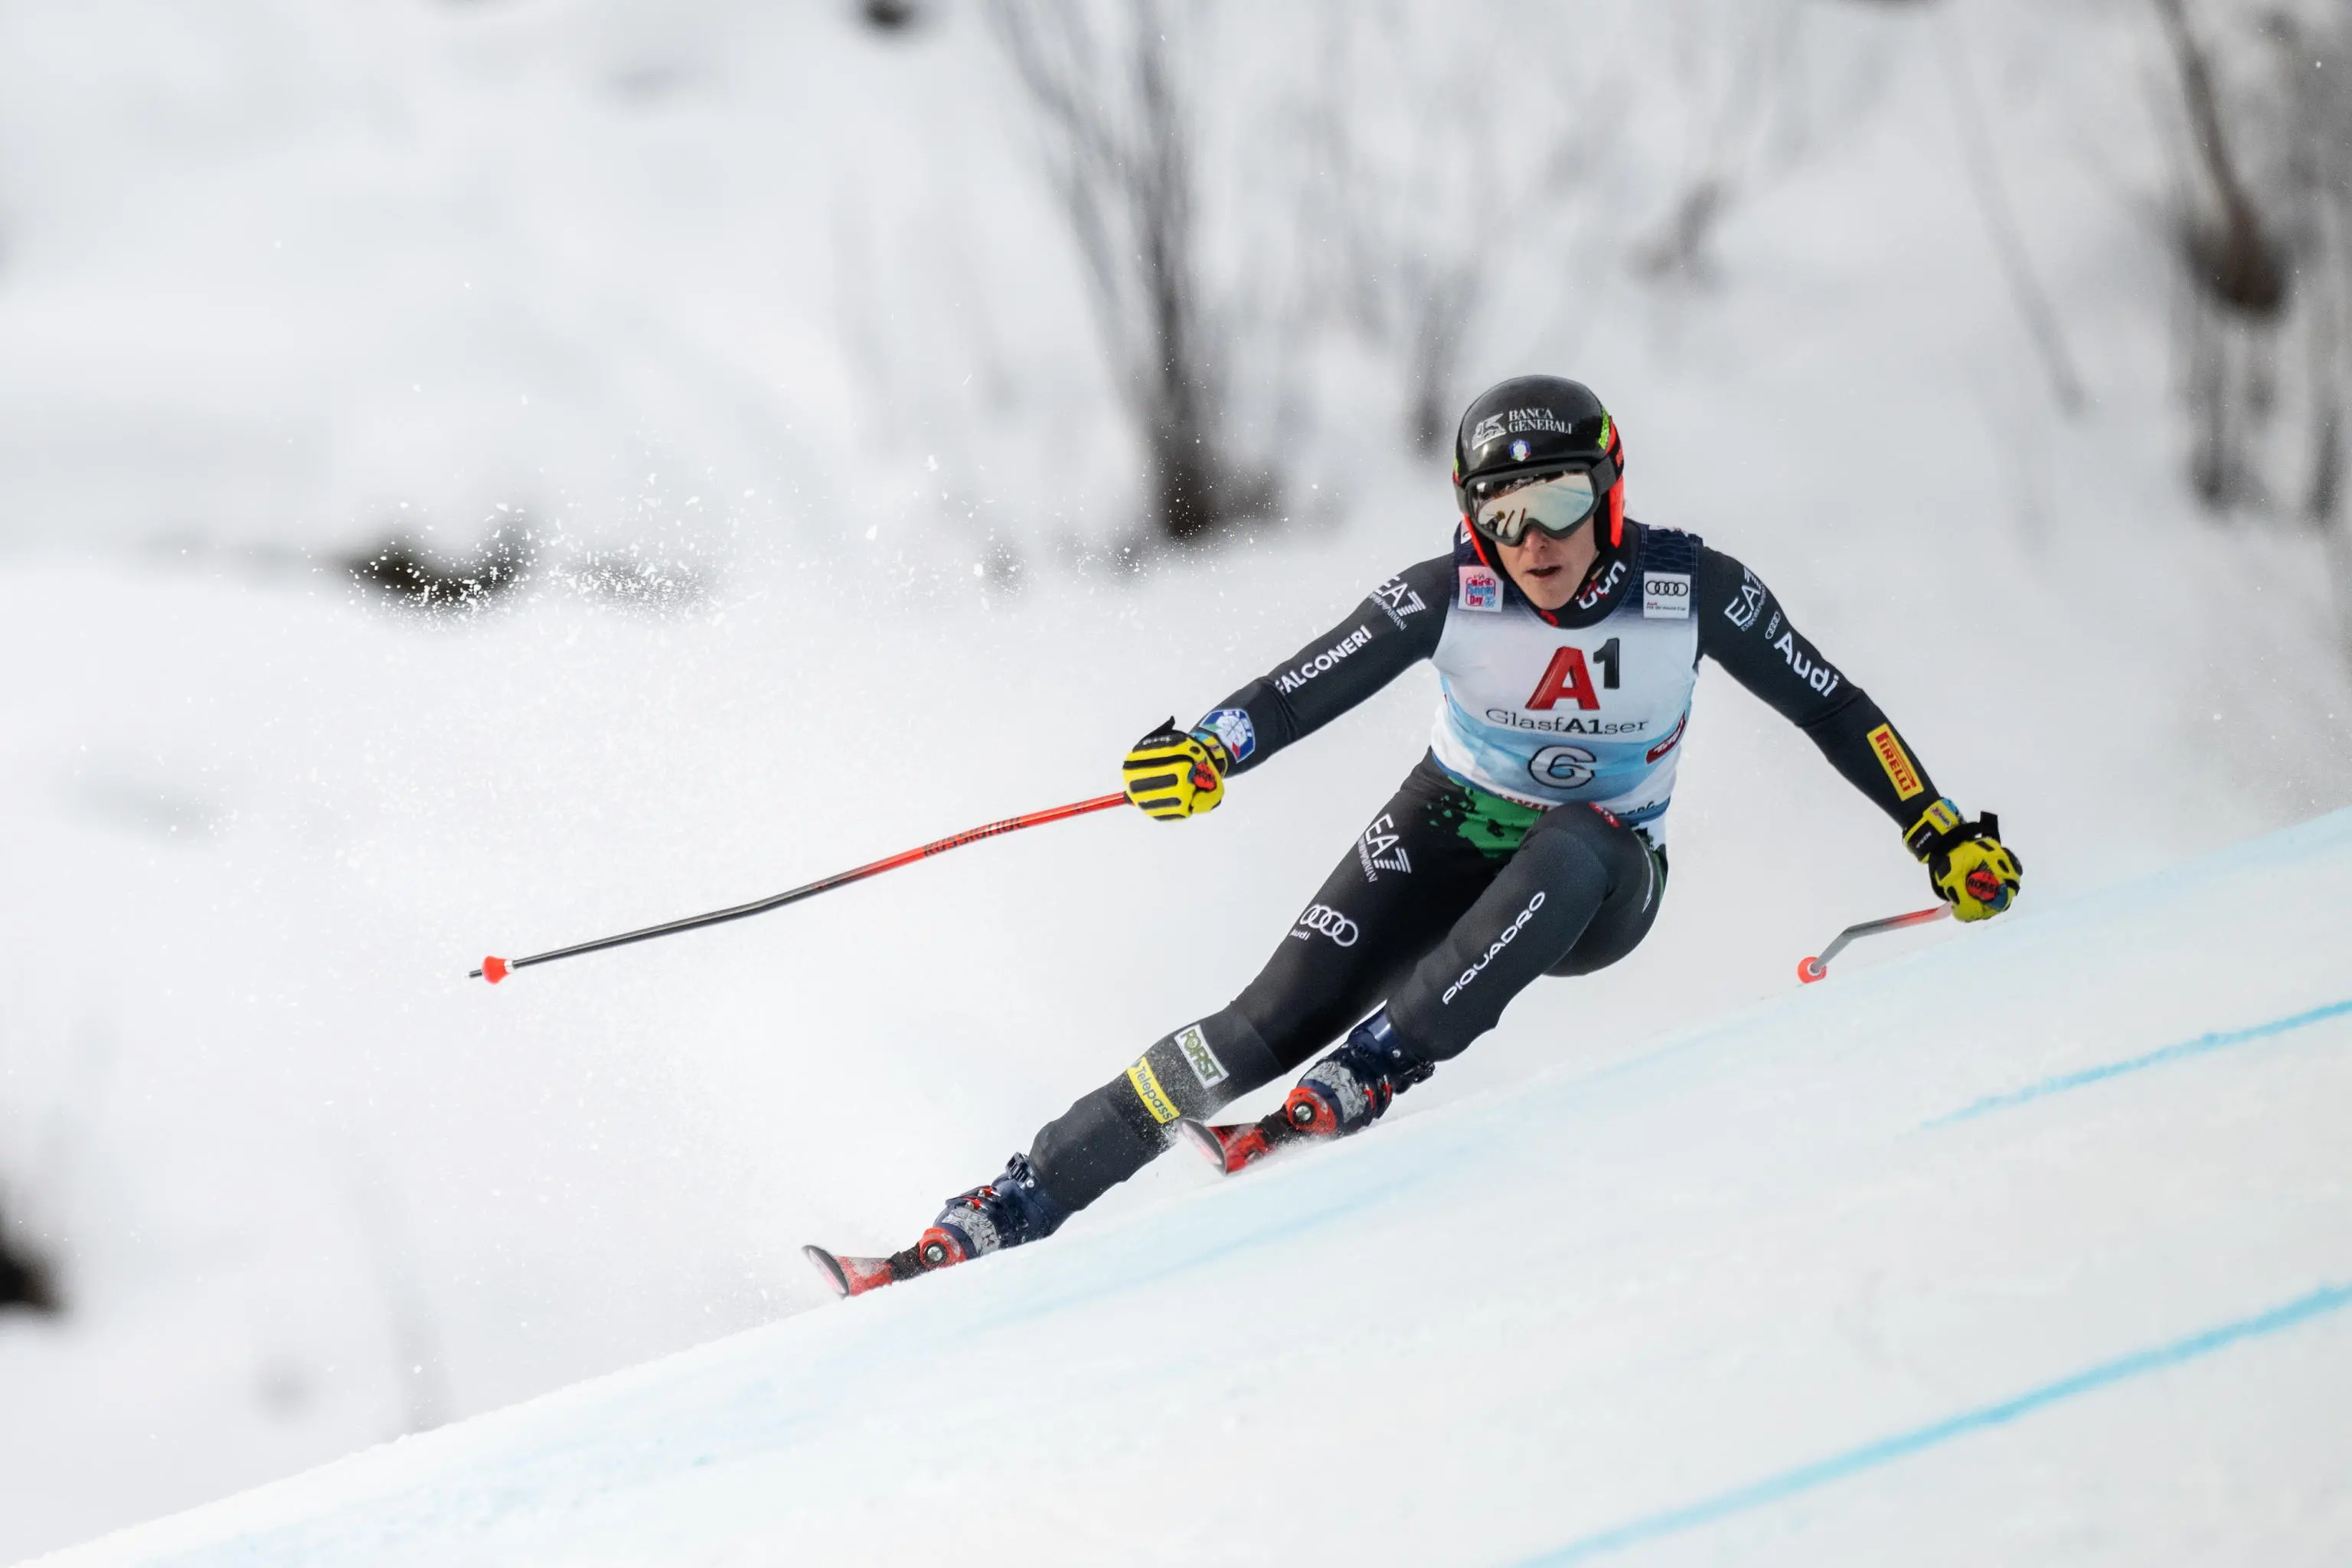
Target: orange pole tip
[{"x": 494, "y": 969}]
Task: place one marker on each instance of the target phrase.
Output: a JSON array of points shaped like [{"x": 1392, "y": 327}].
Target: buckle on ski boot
[
  {"x": 1349, "y": 1089},
  {"x": 1345, "y": 1092},
  {"x": 1007, "y": 1212}
]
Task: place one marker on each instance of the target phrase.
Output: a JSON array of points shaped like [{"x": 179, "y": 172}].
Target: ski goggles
[{"x": 1559, "y": 502}]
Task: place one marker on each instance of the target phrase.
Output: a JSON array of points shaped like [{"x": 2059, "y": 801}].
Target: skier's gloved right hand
[
  {"x": 1971, "y": 869},
  {"x": 1171, "y": 774}
]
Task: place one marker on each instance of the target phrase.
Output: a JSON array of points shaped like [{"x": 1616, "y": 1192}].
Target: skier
[{"x": 1530, "y": 840}]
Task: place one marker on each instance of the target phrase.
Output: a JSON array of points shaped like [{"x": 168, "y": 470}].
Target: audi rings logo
[{"x": 1329, "y": 921}]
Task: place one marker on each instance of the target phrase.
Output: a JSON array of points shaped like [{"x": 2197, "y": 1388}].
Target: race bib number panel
[{"x": 1552, "y": 714}]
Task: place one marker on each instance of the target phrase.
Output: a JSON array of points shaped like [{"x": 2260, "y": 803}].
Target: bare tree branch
[
  {"x": 2239, "y": 263},
  {"x": 1119, "y": 142},
  {"x": 1413, "y": 218},
  {"x": 2041, "y": 322}
]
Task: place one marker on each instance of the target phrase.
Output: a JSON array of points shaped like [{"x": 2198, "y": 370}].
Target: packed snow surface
[{"x": 2032, "y": 1245}]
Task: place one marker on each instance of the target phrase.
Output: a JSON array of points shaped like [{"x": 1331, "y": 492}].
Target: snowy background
[{"x": 767, "y": 328}]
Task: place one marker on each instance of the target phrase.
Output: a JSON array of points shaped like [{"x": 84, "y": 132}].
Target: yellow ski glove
[
  {"x": 1971, "y": 869},
  {"x": 1171, "y": 774}
]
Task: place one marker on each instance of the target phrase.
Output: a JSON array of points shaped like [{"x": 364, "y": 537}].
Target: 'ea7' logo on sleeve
[
  {"x": 1397, "y": 599},
  {"x": 1742, "y": 612}
]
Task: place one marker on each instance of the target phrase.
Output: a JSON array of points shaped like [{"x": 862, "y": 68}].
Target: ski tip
[
  {"x": 1229, "y": 1148},
  {"x": 1204, "y": 1137},
  {"x": 856, "y": 1276},
  {"x": 1809, "y": 969},
  {"x": 493, "y": 970},
  {"x": 826, "y": 1263}
]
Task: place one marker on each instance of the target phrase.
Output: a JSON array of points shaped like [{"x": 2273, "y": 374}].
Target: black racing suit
[{"x": 1453, "y": 898}]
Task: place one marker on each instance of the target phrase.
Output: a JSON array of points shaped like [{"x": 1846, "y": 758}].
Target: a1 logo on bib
[
  {"x": 1666, "y": 595},
  {"x": 1481, "y": 589}
]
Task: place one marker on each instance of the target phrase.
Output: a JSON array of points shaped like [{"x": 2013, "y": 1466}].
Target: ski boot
[
  {"x": 1345, "y": 1092},
  {"x": 1009, "y": 1211}
]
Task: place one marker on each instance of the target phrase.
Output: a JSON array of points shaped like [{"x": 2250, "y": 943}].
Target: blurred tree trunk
[
  {"x": 1118, "y": 136},
  {"x": 2236, "y": 290},
  {"x": 2320, "y": 179},
  {"x": 25, "y": 1278},
  {"x": 2262, "y": 174},
  {"x": 1423, "y": 180},
  {"x": 2231, "y": 246}
]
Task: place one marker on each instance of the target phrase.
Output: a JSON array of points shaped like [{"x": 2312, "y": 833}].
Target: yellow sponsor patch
[
  {"x": 1940, "y": 818},
  {"x": 1146, "y": 1084},
  {"x": 1896, "y": 761}
]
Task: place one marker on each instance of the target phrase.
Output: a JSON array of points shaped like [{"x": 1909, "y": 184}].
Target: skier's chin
[{"x": 1548, "y": 587}]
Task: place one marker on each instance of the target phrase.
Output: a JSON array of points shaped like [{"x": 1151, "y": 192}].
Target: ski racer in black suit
[{"x": 1529, "y": 841}]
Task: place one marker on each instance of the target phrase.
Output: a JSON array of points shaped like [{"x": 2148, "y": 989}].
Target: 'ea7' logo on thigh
[{"x": 1379, "y": 849}]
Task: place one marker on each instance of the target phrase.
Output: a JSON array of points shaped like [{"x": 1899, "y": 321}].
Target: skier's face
[{"x": 1550, "y": 570}]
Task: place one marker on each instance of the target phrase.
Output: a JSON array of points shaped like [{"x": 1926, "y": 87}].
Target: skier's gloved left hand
[
  {"x": 1171, "y": 774},
  {"x": 1971, "y": 869}
]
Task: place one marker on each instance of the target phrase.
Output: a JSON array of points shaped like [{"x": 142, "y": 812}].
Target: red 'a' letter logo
[{"x": 1567, "y": 676}]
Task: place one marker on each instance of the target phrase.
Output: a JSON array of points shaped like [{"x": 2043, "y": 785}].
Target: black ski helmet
[{"x": 1531, "y": 423}]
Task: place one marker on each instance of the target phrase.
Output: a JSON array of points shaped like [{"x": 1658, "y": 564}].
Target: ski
[
  {"x": 856, "y": 1276},
  {"x": 1233, "y": 1146}
]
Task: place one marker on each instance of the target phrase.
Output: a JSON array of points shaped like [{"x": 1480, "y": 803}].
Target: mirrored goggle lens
[{"x": 1553, "y": 502}]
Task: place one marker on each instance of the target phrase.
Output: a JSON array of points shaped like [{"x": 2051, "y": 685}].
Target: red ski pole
[
  {"x": 1811, "y": 969},
  {"x": 496, "y": 969}
]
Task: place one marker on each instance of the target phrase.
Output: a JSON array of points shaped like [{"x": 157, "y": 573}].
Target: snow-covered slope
[{"x": 2035, "y": 1245}]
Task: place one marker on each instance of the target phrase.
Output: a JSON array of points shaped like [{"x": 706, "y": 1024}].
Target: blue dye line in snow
[
  {"x": 2196, "y": 1047},
  {"x": 1869, "y": 1455}
]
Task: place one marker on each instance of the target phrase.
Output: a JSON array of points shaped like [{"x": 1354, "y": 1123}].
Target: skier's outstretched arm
[
  {"x": 1743, "y": 628},
  {"x": 1172, "y": 774}
]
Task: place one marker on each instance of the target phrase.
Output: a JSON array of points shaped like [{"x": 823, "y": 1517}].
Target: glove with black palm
[
  {"x": 1971, "y": 869},
  {"x": 1171, "y": 774}
]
